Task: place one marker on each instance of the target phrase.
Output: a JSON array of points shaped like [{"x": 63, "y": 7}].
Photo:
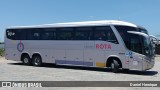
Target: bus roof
[{"x": 76, "y": 24}]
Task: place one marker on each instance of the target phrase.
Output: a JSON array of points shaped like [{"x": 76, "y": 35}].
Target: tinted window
[
  {"x": 84, "y": 33},
  {"x": 10, "y": 34},
  {"x": 65, "y": 34},
  {"x": 34, "y": 34},
  {"x": 132, "y": 41},
  {"x": 48, "y": 34},
  {"x": 143, "y": 30},
  {"x": 105, "y": 34},
  {"x": 21, "y": 34},
  {"x": 135, "y": 43},
  {"x": 16, "y": 34},
  {"x": 100, "y": 33},
  {"x": 123, "y": 31}
]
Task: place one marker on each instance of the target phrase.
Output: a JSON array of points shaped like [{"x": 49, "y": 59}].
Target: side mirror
[
  {"x": 154, "y": 39},
  {"x": 146, "y": 50},
  {"x": 141, "y": 34}
]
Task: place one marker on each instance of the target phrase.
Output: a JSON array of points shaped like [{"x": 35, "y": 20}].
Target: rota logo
[{"x": 103, "y": 46}]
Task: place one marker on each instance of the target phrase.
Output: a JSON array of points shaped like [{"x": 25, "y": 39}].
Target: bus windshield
[
  {"x": 148, "y": 47},
  {"x": 143, "y": 30},
  {"x": 134, "y": 42}
]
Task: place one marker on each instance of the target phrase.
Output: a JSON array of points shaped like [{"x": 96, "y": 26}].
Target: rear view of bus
[{"x": 108, "y": 43}]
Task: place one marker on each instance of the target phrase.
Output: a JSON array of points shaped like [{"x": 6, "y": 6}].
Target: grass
[{"x": 1, "y": 52}]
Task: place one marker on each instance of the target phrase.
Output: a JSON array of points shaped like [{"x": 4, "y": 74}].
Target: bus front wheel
[
  {"x": 36, "y": 60},
  {"x": 114, "y": 66}
]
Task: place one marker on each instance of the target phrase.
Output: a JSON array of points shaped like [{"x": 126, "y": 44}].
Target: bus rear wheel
[
  {"x": 26, "y": 60},
  {"x": 115, "y": 66},
  {"x": 37, "y": 60}
]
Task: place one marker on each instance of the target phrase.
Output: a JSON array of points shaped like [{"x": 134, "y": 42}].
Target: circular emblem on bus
[
  {"x": 130, "y": 54},
  {"x": 20, "y": 47}
]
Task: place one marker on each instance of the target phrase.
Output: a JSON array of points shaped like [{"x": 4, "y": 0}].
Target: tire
[
  {"x": 37, "y": 61},
  {"x": 26, "y": 60},
  {"x": 114, "y": 66},
  {"x": 125, "y": 70}
]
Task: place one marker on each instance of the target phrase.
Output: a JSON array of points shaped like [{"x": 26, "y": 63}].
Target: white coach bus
[{"x": 107, "y": 43}]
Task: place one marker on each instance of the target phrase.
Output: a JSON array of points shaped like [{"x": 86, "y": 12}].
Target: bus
[{"x": 107, "y": 43}]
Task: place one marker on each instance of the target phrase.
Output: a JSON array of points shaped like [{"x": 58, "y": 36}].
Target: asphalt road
[{"x": 16, "y": 71}]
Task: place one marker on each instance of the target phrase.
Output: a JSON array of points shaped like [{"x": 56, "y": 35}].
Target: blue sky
[{"x": 32, "y": 12}]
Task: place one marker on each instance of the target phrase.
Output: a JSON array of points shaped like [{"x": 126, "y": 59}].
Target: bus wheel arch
[
  {"x": 114, "y": 63},
  {"x": 36, "y": 59},
  {"x": 25, "y": 58}
]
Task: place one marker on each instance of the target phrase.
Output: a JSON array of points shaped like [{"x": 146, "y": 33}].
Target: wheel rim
[
  {"x": 26, "y": 60},
  {"x": 37, "y": 61},
  {"x": 112, "y": 65}
]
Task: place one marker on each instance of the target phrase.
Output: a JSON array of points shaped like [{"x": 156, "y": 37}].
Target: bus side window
[
  {"x": 111, "y": 36},
  {"x": 65, "y": 34},
  {"x": 84, "y": 33},
  {"x": 49, "y": 34},
  {"x": 16, "y": 34},
  {"x": 21, "y": 34},
  {"x": 35, "y": 34},
  {"x": 105, "y": 33},
  {"x": 100, "y": 33},
  {"x": 11, "y": 34}
]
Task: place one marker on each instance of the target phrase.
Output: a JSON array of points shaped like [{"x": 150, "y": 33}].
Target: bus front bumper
[{"x": 148, "y": 63}]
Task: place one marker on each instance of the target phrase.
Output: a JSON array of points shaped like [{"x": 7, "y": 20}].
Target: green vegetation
[
  {"x": 1, "y": 42},
  {"x": 1, "y": 52}
]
